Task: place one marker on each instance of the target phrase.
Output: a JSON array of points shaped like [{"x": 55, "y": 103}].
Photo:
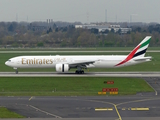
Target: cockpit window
[{"x": 9, "y": 60}]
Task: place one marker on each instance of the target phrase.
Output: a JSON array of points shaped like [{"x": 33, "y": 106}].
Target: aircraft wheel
[
  {"x": 16, "y": 71},
  {"x": 76, "y": 72},
  {"x": 79, "y": 72}
]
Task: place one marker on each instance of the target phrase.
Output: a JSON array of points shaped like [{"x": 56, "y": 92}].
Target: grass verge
[
  {"x": 5, "y": 113},
  {"x": 69, "y": 86},
  {"x": 74, "y": 49}
]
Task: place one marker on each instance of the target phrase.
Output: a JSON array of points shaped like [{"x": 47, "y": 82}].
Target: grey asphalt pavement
[{"x": 84, "y": 107}]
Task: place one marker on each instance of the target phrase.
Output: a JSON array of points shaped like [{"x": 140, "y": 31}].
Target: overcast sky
[{"x": 84, "y": 11}]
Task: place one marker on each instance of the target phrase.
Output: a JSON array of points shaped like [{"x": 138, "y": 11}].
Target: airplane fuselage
[{"x": 101, "y": 61}]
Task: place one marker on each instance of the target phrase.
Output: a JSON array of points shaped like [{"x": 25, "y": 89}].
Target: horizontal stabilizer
[{"x": 142, "y": 59}]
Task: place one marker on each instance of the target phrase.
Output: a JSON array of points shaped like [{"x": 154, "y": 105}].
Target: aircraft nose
[{"x": 6, "y": 63}]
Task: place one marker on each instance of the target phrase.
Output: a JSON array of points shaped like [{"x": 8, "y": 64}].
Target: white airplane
[{"x": 65, "y": 63}]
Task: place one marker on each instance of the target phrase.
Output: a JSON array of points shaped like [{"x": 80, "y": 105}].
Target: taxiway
[
  {"x": 87, "y": 74},
  {"x": 112, "y": 108}
]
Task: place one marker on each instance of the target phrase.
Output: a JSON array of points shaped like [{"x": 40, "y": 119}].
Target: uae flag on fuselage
[{"x": 138, "y": 51}]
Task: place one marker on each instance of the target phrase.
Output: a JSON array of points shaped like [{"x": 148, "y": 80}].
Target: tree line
[{"x": 13, "y": 34}]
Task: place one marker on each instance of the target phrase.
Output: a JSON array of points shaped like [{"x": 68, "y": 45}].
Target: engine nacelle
[{"x": 62, "y": 67}]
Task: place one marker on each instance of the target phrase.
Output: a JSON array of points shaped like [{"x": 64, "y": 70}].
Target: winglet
[{"x": 138, "y": 51}]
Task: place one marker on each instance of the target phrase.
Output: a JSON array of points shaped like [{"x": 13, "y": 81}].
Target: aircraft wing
[{"x": 81, "y": 64}]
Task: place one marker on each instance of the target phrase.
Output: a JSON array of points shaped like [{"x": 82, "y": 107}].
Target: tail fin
[
  {"x": 141, "y": 49},
  {"x": 138, "y": 51}
]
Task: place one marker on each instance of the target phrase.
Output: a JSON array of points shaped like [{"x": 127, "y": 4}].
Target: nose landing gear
[{"x": 16, "y": 70}]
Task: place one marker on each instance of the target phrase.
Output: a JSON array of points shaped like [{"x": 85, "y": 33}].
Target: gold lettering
[
  {"x": 29, "y": 61},
  {"x": 47, "y": 61},
  {"x": 40, "y": 61},
  {"x": 34, "y": 61},
  {"x": 23, "y": 61},
  {"x": 51, "y": 61},
  {"x": 43, "y": 61}
]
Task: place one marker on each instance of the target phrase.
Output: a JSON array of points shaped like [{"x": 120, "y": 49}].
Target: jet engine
[{"x": 62, "y": 67}]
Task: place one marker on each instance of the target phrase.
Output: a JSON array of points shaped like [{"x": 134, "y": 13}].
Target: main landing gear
[{"x": 79, "y": 72}]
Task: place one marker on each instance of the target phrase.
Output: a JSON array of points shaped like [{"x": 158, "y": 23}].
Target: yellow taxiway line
[
  {"x": 30, "y": 98},
  {"x": 140, "y": 109},
  {"x": 103, "y": 109}
]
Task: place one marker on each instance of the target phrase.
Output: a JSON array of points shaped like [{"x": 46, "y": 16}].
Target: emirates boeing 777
[{"x": 65, "y": 63}]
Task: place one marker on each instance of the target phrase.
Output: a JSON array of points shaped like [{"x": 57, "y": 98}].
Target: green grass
[
  {"x": 74, "y": 49},
  {"x": 68, "y": 86},
  {"x": 5, "y": 113},
  {"x": 154, "y": 65}
]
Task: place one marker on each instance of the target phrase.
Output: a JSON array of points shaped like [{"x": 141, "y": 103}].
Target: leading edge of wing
[{"x": 82, "y": 63}]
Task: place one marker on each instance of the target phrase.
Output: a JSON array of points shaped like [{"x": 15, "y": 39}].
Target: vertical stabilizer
[{"x": 138, "y": 51}]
